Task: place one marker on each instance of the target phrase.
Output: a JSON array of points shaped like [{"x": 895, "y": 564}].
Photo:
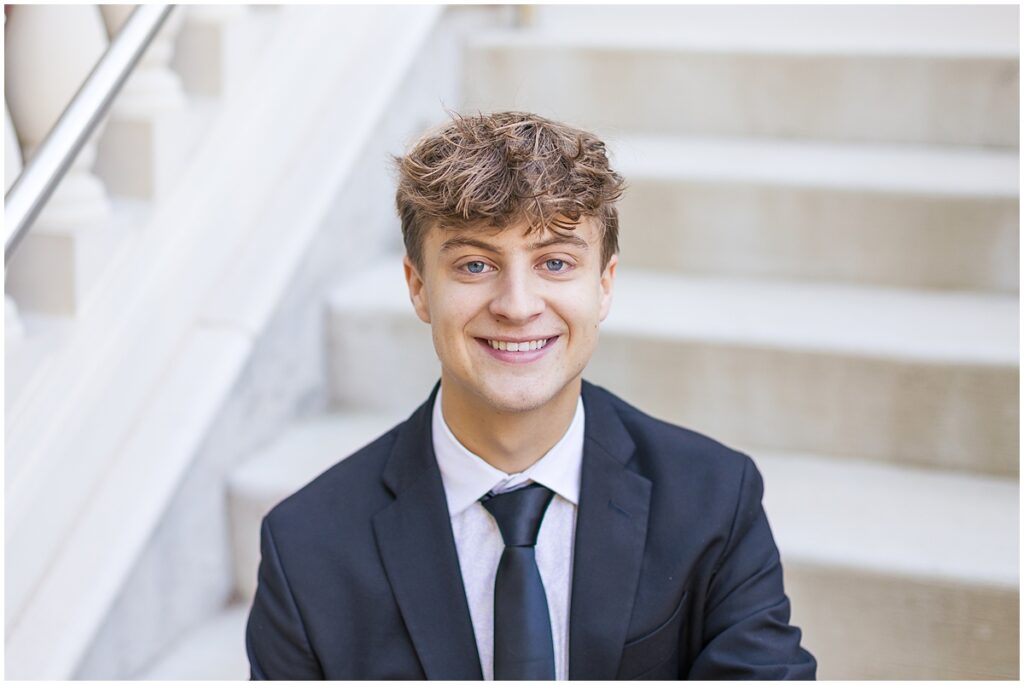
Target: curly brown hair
[{"x": 493, "y": 170}]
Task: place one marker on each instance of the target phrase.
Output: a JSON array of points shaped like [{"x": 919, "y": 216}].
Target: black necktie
[{"x": 523, "y": 649}]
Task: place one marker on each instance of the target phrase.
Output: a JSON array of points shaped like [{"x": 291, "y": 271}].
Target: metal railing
[{"x": 40, "y": 177}]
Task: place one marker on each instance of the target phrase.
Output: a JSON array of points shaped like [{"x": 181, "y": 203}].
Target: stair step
[
  {"x": 303, "y": 451},
  {"x": 915, "y": 377},
  {"x": 897, "y": 572},
  {"x": 213, "y": 651},
  {"x": 895, "y": 215},
  {"x": 892, "y": 519},
  {"x": 942, "y": 30},
  {"x": 949, "y": 328},
  {"x": 635, "y": 83},
  {"x": 885, "y": 168}
]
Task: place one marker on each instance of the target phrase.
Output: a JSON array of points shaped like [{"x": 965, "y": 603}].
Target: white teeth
[{"x": 517, "y": 347}]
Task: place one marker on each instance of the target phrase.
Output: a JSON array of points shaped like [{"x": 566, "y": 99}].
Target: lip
[{"x": 517, "y": 357}]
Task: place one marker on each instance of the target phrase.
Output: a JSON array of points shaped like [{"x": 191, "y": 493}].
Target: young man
[{"x": 522, "y": 523}]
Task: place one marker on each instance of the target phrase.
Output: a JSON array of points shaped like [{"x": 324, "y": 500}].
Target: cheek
[
  {"x": 582, "y": 311},
  {"x": 452, "y": 311}
]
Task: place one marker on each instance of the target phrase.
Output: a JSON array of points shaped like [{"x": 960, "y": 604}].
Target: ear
[
  {"x": 416, "y": 295},
  {"x": 607, "y": 285}
]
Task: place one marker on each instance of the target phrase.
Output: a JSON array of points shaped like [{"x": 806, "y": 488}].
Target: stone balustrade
[
  {"x": 137, "y": 153},
  {"x": 49, "y": 52},
  {"x": 103, "y": 286}
]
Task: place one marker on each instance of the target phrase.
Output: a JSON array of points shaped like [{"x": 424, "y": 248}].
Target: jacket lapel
[
  {"x": 611, "y": 527},
  {"x": 417, "y": 547}
]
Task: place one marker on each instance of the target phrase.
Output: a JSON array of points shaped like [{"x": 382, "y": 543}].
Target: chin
[
  {"x": 508, "y": 398},
  {"x": 515, "y": 402}
]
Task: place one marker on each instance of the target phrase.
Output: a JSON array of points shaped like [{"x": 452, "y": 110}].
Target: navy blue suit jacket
[{"x": 675, "y": 572}]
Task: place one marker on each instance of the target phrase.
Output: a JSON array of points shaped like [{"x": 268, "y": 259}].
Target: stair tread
[
  {"x": 923, "y": 169},
  {"x": 215, "y": 650},
  {"x": 888, "y": 518},
  {"x": 889, "y": 30},
  {"x": 306, "y": 448},
  {"x": 931, "y": 326}
]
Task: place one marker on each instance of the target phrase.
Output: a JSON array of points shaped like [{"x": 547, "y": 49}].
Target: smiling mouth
[
  {"x": 521, "y": 346},
  {"x": 518, "y": 352}
]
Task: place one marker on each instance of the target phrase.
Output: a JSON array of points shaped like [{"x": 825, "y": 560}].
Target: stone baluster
[
  {"x": 13, "y": 328},
  {"x": 213, "y": 47},
  {"x": 152, "y": 87},
  {"x": 12, "y": 156},
  {"x": 141, "y": 150},
  {"x": 12, "y": 167},
  {"x": 49, "y": 52}
]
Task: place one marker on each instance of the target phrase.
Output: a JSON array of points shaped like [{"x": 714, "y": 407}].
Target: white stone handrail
[{"x": 45, "y": 169}]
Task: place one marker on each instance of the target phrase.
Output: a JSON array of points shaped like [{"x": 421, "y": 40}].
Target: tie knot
[{"x": 519, "y": 513}]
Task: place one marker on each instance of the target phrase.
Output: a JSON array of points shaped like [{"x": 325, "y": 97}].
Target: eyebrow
[{"x": 466, "y": 241}]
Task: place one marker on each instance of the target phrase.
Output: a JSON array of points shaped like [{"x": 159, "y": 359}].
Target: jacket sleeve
[
  {"x": 275, "y": 637},
  {"x": 747, "y": 634}
]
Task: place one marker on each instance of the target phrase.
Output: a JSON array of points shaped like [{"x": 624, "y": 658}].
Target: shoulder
[
  {"x": 669, "y": 452},
  {"x": 701, "y": 490}
]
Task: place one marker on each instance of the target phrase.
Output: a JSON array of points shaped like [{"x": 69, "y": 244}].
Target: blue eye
[
  {"x": 475, "y": 267},
  {"x": 555, "y": 265}
]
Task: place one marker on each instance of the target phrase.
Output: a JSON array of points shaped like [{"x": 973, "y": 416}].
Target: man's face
[{"x": 543, "y": 293}]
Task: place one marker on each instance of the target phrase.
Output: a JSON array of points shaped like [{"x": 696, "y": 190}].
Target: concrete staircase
[
  {"x": 819, "y": 266},
  {"x": 945, "y": 216}
]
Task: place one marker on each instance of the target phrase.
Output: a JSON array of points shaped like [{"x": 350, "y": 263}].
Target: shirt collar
[{"x": 467, "y": 477}]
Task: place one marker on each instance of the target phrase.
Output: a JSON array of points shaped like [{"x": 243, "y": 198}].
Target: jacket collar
[
  {"x": 418, "y": 549},
  {"x": 414, "y": 535}
]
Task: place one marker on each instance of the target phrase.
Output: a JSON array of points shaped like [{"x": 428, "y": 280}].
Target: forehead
[{"x": 582, "y": 236}]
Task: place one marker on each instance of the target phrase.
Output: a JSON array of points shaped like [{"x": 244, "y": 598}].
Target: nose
[{"x": 517, "y": 299}]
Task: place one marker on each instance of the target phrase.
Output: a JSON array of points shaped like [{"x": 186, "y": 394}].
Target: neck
[{"x": 509, "y": 441}]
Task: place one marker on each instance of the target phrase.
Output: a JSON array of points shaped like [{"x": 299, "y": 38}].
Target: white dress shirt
[{"x": 478, "y": 541}]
